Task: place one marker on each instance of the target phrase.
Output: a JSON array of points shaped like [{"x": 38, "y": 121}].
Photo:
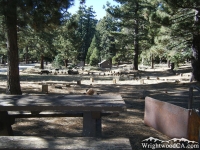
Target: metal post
[{"x": 190, "y": 101}]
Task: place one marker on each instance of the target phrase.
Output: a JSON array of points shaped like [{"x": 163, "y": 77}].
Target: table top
[{"x": 105, "y": 102}]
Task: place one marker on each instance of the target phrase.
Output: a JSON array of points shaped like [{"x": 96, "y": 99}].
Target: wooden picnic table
[{"x": 91, "y": 107}]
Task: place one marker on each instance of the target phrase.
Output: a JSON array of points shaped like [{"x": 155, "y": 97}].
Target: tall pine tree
[{"x": 38, "y": 14}]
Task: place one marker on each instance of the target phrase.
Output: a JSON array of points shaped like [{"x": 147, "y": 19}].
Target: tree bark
[
  {"x": 136, "y": 39},
  {"x": 26, "y": 55},
  {"x": 196, "y": 49},
  {"x": 42, "y": 62},
  {"x": 195, "y": 62},
  {"x": 66, "y": 63},
  {"x": 152, "y": 62},
  {"x": 168, "y": 63},
  {"x": 13, "y": 79}
]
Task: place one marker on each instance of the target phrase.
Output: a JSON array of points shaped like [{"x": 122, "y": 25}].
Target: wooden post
[
  {"x": 79, "y": 82},
  {"x": 114, "y": 81},
  {"x": 44, "y": 88},
  {"x": 92, "y": 124},
  {"x": 5, "y": 124},
  {"x": 190, "y": 101},
  {"x": 91, "y": 79},
  {"x": 142, "y": 81}
]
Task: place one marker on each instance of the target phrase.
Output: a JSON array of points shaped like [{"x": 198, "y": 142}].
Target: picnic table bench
[
  {"x": 91, "y": 108},
  {"x": 75, "y": 143}
]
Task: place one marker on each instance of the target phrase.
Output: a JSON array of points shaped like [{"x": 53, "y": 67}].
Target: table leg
[
  {"x": 5, "y": 124},
  {"x": 92, "y": 124}
]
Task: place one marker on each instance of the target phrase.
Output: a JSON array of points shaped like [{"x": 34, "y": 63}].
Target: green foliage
[
  {"x": 94, "y": 58},
  {"x": 86, "y": 28},
  {"x": 93, "y": 45},
  {"x": 58, "y": 61}
]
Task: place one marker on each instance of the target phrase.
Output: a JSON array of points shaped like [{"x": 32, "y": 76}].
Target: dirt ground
[{"x": 160, "y": 83}]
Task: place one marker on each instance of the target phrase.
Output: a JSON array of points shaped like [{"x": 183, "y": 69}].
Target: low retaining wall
[{"x": 172, "y": 120}]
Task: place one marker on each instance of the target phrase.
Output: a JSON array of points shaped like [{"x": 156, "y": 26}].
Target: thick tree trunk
[
  {"x": 42, "y": 62},
  {"x": 13, "y": 79},
  {"x": 195, "y": 62},
  {"x": 196, "y": 49}
]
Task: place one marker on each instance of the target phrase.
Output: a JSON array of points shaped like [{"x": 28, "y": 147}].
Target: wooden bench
[
  {"x": 89, "y": 143},
  {"x": 35, "y": 114},
  {"x": 91, "y": 108}
]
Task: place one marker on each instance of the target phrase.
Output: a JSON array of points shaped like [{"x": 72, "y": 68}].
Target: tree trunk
[
  {"x": 136, "y": 39},
  {"x": 42, "y": 62},
  {"x": 66, "y": 63},
  {"x": 3, "y": 59},
  {"x": 152, "y": 62},
  {"x": 26, "y": 56},
  {"x": 195, "y": 62},
  {"x": 196, "y": 49},
  {"x": 110, "y": 62},
  {"x": 13, "y": 79},
  {"x": 168, "y": 63}
]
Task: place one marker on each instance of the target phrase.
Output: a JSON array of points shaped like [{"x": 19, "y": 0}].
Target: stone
[
  {"x": 90, "y": 91},
  {"x": 58, "y": 87}
]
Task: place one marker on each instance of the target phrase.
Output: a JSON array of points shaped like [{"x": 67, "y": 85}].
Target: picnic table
[{"x": 91, "y": 108}]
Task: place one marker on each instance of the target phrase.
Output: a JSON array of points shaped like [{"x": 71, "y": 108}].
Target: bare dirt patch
[{"x": 159, "y": 83}]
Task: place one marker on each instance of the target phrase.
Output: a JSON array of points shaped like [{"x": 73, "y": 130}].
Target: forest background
[{"x": 136, "y": 31}]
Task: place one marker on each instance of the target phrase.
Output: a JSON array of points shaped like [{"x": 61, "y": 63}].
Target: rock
[
  {"x": 71, "y": 72},
  {"x": 90, "y": 91},
  {"x": 58, "y": 87},
  {"x": 68, "y": 85}
]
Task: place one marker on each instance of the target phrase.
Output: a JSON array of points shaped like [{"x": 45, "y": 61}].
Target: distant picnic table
[{"x": 91, "y": 108}]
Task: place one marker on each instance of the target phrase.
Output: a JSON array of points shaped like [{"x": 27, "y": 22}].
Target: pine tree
[
  {"x": 86, "y": 27},
  {"x": 93, "y": 45},
  {"x": 185, "y": 25},
  {"x": 131, "y": 15},
  {"x": 105, "y": 40},
  {"x": 38, "y": 14}
]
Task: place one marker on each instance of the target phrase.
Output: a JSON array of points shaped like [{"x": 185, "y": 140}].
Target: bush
[{"x": 58, "y": 61}]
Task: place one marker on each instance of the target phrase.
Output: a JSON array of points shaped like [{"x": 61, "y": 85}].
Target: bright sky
[{"x": 97, "y": 6}]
